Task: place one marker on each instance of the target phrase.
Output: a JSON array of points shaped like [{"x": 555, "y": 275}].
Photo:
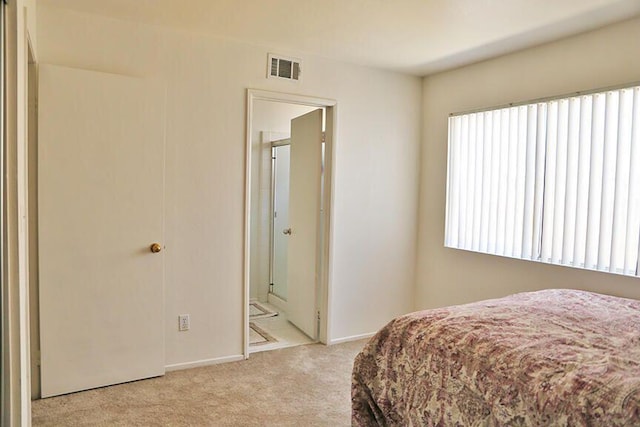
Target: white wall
[
  {"x": 267, "y": 117},
  {"x": 376, "y": 172},
  {"x": 605, "y": 57}
]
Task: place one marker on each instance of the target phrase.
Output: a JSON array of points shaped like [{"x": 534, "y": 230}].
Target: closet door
[{"x": 100, "y": 195}]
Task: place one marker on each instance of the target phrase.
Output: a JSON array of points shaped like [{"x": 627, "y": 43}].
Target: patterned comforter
[{"x": 554, "y": 357}]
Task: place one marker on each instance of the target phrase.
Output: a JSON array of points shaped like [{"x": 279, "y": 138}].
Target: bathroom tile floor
[{"x": 281, "y": 329}]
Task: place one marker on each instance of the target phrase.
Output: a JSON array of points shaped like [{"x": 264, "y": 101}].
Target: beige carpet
[{"x": 299, "y": 386}]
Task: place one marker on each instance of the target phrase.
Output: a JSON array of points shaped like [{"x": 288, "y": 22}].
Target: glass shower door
[{"x": 281, "y": 162}]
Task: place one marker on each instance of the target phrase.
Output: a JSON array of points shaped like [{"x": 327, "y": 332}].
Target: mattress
[{"x": 552, "y": 357}]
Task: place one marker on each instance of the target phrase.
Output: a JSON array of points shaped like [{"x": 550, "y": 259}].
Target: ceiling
[{"x": 411, "y": 36}]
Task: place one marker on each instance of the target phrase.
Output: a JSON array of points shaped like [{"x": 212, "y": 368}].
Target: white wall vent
[{"x": 281, "y": 67}]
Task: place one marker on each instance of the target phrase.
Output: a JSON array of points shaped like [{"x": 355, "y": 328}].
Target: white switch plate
[{"x": 183, "y": 322}]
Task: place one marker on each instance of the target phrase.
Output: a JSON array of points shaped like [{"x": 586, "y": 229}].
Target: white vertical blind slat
[
  {"x": 495, "y": 177},
  {"x": 582, "y": 198},
  {"x": 503, "y": 168},
  {"x": 520, "y": 182},
  {"x": 608, "y": 179},
  {"x": 541, "y": 152},
  {"x": 464, "y": 168},
  {"x": 471, "y": 175},
  {"x": 632, "y": 252},
  {"x": 530, "y": 180},
  {"x": 550, "y": 182},
  {"x": 571, "y": 193},
  {"x": 560, "y": 181},
  {"x": 595, "y": 181},
  {"x": 486, "y": 182},
  {"x": 478, "y": 181},
  {"x": 621, "y": 199},
  {"x": 512, "y": 164},
  {"x": 455, "y": 184},
  {"x": 447, "y": 203}
]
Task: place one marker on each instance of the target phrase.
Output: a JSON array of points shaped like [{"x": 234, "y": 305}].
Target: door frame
[
  {"x": 324, "y": 288},
  {"x": 15, "y": 382}
]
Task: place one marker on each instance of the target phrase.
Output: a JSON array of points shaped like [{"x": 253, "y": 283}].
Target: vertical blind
[{"x": 555, "y": 181}]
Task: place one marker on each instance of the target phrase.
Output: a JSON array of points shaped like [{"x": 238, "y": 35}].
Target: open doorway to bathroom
[{"x": 286, "y": 258}]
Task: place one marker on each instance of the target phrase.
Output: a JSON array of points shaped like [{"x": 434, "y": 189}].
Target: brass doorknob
[
  {"x": 155, "y": 248},
  {"x": 287, "y": 231}
]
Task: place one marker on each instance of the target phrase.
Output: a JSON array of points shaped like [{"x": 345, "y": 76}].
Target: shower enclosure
[{"x": 280, "y": 230}]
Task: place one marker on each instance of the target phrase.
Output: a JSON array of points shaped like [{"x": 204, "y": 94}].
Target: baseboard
[
  {"x": 277, "y": 302},
  {"x": 204, "y": 362},
  {"x": 351, "y": 338}
]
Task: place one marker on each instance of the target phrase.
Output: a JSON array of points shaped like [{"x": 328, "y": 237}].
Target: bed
[{"x": 553, "y": 357}]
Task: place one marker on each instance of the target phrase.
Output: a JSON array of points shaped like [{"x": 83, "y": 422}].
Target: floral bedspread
[{"x": 554, "y": 357}]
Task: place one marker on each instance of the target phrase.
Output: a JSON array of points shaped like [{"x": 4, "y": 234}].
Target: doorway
[{"x": 288, "y": 191}]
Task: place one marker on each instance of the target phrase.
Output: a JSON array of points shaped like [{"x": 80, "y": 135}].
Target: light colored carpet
[{"x": 299, "y": 386}]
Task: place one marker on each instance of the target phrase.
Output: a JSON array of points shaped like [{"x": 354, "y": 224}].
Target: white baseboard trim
[
  {"x": 351, "y": 338},
  {"x": 204, "y": 362},
  {"x": 277, "y": 302}
]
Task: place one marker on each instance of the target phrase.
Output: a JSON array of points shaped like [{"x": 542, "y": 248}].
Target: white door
[
  {"x": 304, "y": 220},
  {"x": 100, "y": 190}
]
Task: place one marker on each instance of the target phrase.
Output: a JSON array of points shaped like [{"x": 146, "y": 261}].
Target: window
[{"x": 555, "y": 181}]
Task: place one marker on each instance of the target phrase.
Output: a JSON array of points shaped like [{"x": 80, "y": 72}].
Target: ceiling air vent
[{"x": 280, "y": 67}]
